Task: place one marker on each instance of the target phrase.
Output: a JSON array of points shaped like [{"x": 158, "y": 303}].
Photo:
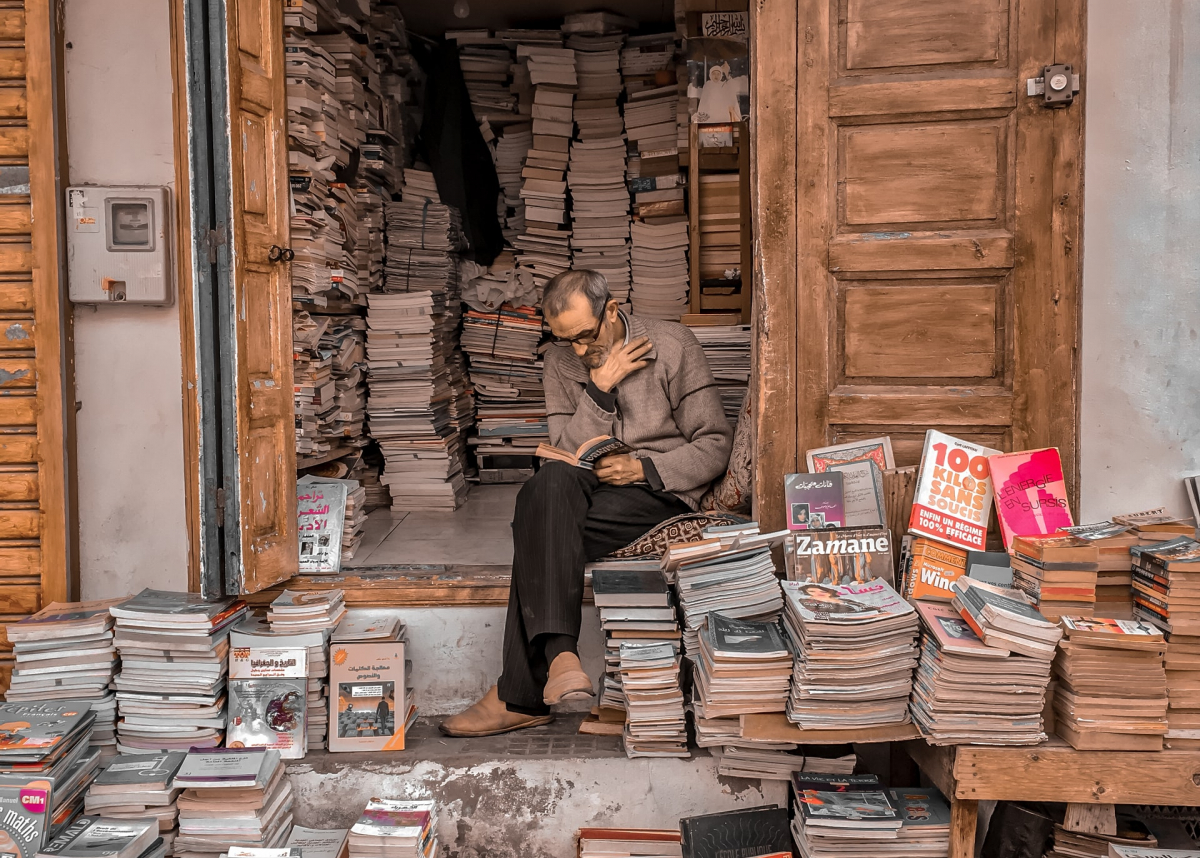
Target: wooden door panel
[
  {"x": 266, "y": 462},
  {"x": 899, "y": 33}
]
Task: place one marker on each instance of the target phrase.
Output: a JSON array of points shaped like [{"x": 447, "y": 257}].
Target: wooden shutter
[
  {"x": 37, "y": 562},
  {"x": 937, "y": 224},
  {"x": 265, "y": 506}
]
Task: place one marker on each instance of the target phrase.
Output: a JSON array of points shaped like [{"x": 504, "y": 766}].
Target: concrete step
[{"x": 522, "y": 795}]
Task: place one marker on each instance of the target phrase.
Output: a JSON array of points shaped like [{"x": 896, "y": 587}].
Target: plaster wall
[
  {"x": 1140, "y": 403},
  {"x": 132, "y": 528}
]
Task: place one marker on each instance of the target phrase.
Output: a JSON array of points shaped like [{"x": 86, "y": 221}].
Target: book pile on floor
[
  {"x": 744, "y": 667},
  {"x": 642, "y": 842},
  {"x": 1112, "y": 688},
  {"x": 855, "y": 647},
  {"x": 1167, "y": 594},
  {"x": 734, "y": 578},
  {"x": 635, "y": 607},
  {"x": 1133, "y": 839},
  {"x": 1114, "y": 578},
  {"x": 45, "y": 744},
  {"x": 836, "y": 815},
  {"x": 596, "y": 177},
  {"x": 967, "y": 692},
  {"x": 393, "y": 828},
  {"x": 65, "y": 652},
  {"x": 727, "y": 349},
  {"x": 232, "y": 798},
  {"x": 506, "y": 372},
  {"x": 751, "y": 831},
  {"x": 174, "y": 659},
  {"x": 139, "y": 786},
  {"x": 1058, "y": 573},
  {"x": 95, "y": 836},
  {"x": 543, "y": 248},
  {"x": 654, "y": 725}
]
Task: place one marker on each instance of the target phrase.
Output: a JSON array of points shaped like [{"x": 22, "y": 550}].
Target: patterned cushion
[
  {"x": 733, "y": 492},
  {"x": 681, "y": 528}
]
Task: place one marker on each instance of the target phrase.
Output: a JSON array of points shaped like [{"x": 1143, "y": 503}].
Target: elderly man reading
[{"x": 647, "y": 383}]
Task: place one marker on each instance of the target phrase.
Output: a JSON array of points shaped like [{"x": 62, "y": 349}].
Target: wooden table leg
[{"x": 964, "y": 815}]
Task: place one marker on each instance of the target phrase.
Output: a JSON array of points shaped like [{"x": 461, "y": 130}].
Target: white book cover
[
  {"x": 320, "y": 518},
  {"x": 954, "y": 492}
]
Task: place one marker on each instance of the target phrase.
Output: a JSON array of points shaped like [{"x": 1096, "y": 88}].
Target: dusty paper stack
[
  {"x": 174, "y": 651},
  {"x": 727, "y": 349},
  {"x": 139, "y": 786},
  {"x": 65, "y": 652},
  {"x": 734, "y": 576},
  {"x": 392, "y": 828},
  {"x": 1112, "y": 687},
  {"x": 967, "y": 692},
  {"x": 654, "y": 724},
  {"x": 855, "y": 647},
  {"x": 744, "y": 667},
  {"x": 1114, "y": 578}
]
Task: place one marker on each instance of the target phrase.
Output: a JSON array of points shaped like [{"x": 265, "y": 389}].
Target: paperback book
[
  {"x": 1030, "y": 492},
  {"x": 814, "y": 501},
  {"x": 954, "y": 492}
]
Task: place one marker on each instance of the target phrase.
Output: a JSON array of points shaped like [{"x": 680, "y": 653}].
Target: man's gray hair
[{"x": 562, "y": 288}]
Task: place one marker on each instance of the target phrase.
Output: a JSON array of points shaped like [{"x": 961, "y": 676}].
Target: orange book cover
[{"x": 366, "y": 696}]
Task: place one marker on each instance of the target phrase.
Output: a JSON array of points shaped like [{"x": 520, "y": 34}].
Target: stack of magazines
[
  {"x": 107, "y": 837},
  {"x": 46, "y": 765},
  {"x": 174, "y": 651},
  {"x": 654, "y": 726},
  {"x": 65, "y": 652},
  {"x": 967, "y": 692},
  {"x": 139, "y": 786},
  {"x": 838, "y": 815},
  {"x": 392, "y": 828},
  {"x": 855, "y": 653},
  {"x": 744, "y": 667},
  {"x": 232, "y": 798}
]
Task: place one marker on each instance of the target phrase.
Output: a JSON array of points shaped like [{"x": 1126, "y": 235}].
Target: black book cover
[
  {"x": 834, "y": 783},
  {"x": 629, "y": 587},
  {"x": 743, "y": 637},
  {"x": 736, "y": 834}
]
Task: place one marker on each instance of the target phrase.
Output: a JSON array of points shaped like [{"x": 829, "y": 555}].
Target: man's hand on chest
[{"x": 622, "y": 361}]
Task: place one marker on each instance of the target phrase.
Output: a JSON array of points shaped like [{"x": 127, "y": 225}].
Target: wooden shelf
[
  {"x": 775, "y": 727},
  {"x": 313, "y": 461},
  {"x": 405, "y": 586}
]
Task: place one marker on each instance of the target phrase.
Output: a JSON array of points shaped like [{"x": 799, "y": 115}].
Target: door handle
[{"x": 280, "y": 254}]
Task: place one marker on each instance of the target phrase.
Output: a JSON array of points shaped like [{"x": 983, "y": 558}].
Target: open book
[{"x": 588, "y": 453}]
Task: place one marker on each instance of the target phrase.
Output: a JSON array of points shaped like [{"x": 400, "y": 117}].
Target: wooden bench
[{"x": 1091, "y": 782}]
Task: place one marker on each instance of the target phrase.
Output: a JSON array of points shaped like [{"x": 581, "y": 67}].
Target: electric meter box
[{"x": 118, "y": 245}]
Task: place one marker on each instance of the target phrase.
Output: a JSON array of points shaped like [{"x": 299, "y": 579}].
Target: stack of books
[
  {"x": 394, "y": 828},
  {"x": 721, "y": 220},
  {"x": 727, "y": 349},
  {"x": 1005, "y": 619},
  {"x": 318, "y": 842},
  {"x": 1167, "y": 594},
  {"x": 847, "y": 815},
  {"x": 735, "y": 578},
  {"x": 412, "y": 373},
  {"x": 232, "y": 798},
  {"x": 296, "y": 611},
  {"x": 44, "y": 752},
  {"x": 660, "y": 267},
  {"x": 642, "y": 842},
  {"x": 1114, "y": 579},
  {"x": 307, "y": 620},
  {"x": 1133, "y": 839},
  {"x": 758, "y": 831},
  {"x": 744, "y": 667},
  {"x": 65, "y": 652},
  {"x": 506, "y": 372},
  {"x": 174, "y": 651},
  {"x": 1156, "y": 525},
  {"x": 139, "y": 787},
  {"x": 768, "y": 764},
  {"x": 636, "y": 606},
  {"x": 1058, "y": 573},
  {"x": 967, "y": 692},
  {"x": 655, "y": 725},
  {"x": 486, "y": 65},
  {"x": 512, "y": 145},
  {"x": 1112, "y": 687},
  {"x": 543, "y": 248},
  {"x": 107, "y": 837},
  {"x": 855, "y": 647}
]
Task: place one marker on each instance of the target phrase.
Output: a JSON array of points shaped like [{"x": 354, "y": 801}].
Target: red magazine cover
[{"x": 1031, "y": 495}]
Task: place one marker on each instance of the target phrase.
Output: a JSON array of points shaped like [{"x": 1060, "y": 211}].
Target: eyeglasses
[{"x": 586, "y": 339}]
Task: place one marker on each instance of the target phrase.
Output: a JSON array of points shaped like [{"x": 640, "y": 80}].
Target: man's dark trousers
[{"x": 565, "y": 518}]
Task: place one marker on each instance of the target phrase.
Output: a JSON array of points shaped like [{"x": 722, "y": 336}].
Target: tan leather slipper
[
  {"x": 490, "y": 717},
  {"x": 567, "y": 680}
]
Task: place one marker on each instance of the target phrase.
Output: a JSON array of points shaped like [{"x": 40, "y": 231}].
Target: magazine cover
[
  {"x": 24, "y": 811},
  {"x": 845, "y": 805},
  {"x": 844, "y": 556},
  {"x": 954, "y": 492},
  {"x": 814, "y": 602},
  {"x": 814, "y": 501},
  {"x": 269, "y": 713},
  {"x": 366, "y": 696},
  {"x": 1030, "y": 493},
  {"x": 320, "y": 516}
]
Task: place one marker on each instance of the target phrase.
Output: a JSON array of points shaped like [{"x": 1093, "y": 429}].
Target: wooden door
[
  {"x": 261, "y": 519},
  {"x": 934, "y": 278}
]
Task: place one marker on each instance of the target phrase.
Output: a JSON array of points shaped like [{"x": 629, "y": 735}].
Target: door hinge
[
  {"x": 220, "y": 503},
  {"x": 1057, "y": 85},
  {"x": 215, "y": 238}
]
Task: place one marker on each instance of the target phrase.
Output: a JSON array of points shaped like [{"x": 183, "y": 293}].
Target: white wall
[
  {"x": 132, "y": 528},
  {"x": 1141, "y": 256}
]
